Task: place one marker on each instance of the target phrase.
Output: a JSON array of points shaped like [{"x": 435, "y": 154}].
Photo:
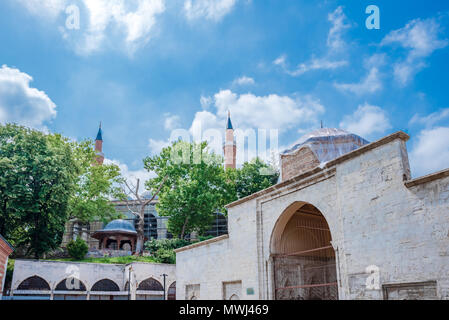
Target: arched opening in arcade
[{"x": 304, "y": 263}]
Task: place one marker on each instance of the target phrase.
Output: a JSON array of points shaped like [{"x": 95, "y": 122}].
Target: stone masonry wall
[
  {"x": 374, "y": 218},
  {"x": 301, "y": 161}
]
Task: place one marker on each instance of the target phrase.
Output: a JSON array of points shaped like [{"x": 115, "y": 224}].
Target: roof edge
[
  {"x": 397, "y": 135},
  {"x": 202, "y": 243},
  {"x": 6, "y": 241},
  {"x": 427, "y": 178}
]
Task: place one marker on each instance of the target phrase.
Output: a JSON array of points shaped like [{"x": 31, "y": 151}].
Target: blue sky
[{"x": 146, "y": 67}]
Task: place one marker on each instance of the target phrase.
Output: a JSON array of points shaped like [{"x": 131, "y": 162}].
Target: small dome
[
  {"x": 328, "y": 143},
  {"x": 120, "y": 225}
]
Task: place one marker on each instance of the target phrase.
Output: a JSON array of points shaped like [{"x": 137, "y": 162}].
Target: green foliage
[
  {"x": 37, "y": 176},
  {"x": 195, "y": 186},
  {"x": 46, "y": 179},
  {"x": 95, "y": 186},
  {"x": 165, "y": 244},
  {"x": 77, "y": 249},
  {"x": 163, "y": 250},
  {"x": 112, "y": 260},
  {"x": 8, "y": 275},
  {"x": 165, "y": 256},
  {"x": 253, "y": 177}
]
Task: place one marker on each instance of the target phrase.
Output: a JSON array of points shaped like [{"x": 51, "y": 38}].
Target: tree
[
  {"x": 96, "y": 186},
  {"x": 139, "y": 210},
  {"x": 254, "y": 176},
  {"x": 192, "y": 183},
  {"x": 39, "y": 175}
]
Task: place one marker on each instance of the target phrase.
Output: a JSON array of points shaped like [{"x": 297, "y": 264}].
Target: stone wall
[
  {"x": 53, "y": 272},
  {"x": 300, "y": 161},
  {"x": 378, "y": 218}
]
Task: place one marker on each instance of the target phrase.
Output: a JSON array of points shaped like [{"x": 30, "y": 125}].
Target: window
[
  {"x": 105, "y": 285},
  {"x": 411, "y": 291}
]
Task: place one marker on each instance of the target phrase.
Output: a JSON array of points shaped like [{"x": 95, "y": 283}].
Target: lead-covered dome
[
  {"x": 316, "y": 148},
  {"x": 120, "y": 225}
]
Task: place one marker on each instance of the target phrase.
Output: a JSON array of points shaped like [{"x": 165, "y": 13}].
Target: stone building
[
  {"x": 346, "y": 221},
  {"x": 5, "y": 250},
  {"x": 57, "y": 280}
]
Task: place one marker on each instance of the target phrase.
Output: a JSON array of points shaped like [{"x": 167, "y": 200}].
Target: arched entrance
[{"x": 304, "y": 264}]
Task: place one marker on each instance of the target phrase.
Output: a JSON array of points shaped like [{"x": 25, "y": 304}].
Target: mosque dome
[
  {"x": 328, "y": 143},
  {"x": 316, "y": 148},
  {"x": 119, "y": 225}
]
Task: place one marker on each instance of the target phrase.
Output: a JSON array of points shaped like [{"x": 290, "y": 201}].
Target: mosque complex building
[{"x": 345, "y": 221}]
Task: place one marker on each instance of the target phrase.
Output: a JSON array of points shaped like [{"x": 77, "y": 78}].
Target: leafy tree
[
  {"x": 45, "y": 179},
  {"x": 254, "y": 176},
  {"x": 193, "y": 186},
  {"x": 77, "y": 249},
  {"x": 38, "y": 177},
  {"x": 96, "y": 186}
]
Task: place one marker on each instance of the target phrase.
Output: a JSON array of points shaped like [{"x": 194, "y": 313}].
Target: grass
[{"x": 112, "y": 260}]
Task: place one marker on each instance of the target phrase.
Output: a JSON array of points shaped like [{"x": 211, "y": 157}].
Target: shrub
[
  {"x": 77, "y": 249},
  {"x": 168, "y": 244},
  {"x": 165, "y": 256}
]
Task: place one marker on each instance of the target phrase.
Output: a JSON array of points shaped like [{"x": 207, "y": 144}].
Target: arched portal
[{"x": 303, "y": 258}]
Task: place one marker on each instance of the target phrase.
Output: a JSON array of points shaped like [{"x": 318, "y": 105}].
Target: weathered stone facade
[
  {"x": 301, "y": 161},
  {"x": 386, "y": 229},
  {"x": 53, "y": 274}
]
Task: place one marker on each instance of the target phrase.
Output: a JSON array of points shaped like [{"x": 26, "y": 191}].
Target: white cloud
[
  {"x": 132, "y": 175},
  {"x": 44, "y": 8},
  {"x": 156, "y": 146},
  {"x": 420, "y": 38},
  {"x": 244, "y": 80},
  {"x": 335, "y": 44},
  {"x": 22, "y": 104},
  {"x": 272, "y": 111},
  {"x": 431, "y": 151},
  {"x": 210, "y": 9},
  {"x": 431, "y": 119},
  {"x": 366, "y": 121},
  {"x": 370, "y": 84},
  {"x": 206, "y": 102},
  {"x": 335, "y": 37},
  {"x": 130, "y": 22},
  {"x": 372, "y": 81},
  {"x": 171, "y": 121}
]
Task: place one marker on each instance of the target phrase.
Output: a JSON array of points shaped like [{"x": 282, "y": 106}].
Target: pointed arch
[
  {"x": 304, "y": 260},
  {"x": 70, "y": 284},
  {"x": 105, "y": 285},
  {"x": 171, "y": 294},
  {"x": 150, "y": 284},
  {"x": 34, "y": 283}
]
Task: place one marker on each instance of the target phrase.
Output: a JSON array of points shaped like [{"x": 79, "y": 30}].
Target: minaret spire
[
  {"x": 99, "y": 146},
  {"x": 230, "y": 149}
]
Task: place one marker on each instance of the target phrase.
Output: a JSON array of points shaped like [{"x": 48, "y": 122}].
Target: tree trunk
[
  {"x": 140, "y": 232},
  {"x": 184, "y": 226}
]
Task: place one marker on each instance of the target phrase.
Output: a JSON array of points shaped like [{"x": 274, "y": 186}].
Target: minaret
[
  {"x": 99, "y": 147},
  {"x": 230, "y": 149}
]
